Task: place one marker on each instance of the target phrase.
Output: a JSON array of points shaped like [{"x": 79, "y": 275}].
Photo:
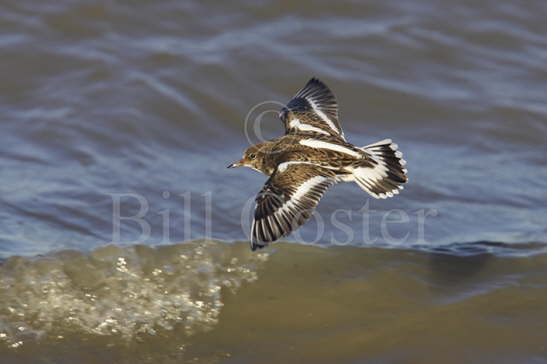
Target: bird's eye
[{"x": 252, "y": 156}]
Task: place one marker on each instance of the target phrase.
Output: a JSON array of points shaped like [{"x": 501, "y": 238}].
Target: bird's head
[{"x": 253, "y": 158}]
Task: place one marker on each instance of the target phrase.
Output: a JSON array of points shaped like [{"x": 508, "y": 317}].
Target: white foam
[{"x": 120, "y": 291}]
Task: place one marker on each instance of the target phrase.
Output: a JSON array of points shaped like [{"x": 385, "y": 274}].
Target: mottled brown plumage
[{"x": 312, "y": 156}]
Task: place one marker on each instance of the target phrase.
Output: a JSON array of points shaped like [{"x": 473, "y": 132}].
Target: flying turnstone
[{"x": 312, "y": 156}]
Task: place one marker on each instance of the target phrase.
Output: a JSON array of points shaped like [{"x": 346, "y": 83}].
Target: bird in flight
[{"x": 312, "y": 156}]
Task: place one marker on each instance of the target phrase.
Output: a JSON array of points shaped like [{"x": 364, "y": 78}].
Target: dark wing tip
[
  {"x": 315, "y": 87},
  {"x": 255, "y": 246},
  {"x": 315, "y": 103},
  {"x": 318, "y": 94},
  {"x": 317, "y": 82}
]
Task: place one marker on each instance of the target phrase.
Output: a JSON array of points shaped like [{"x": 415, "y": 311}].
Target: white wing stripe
[
  {"x": 295, "y": 123},
  {"x": 308, "y": 185},
  {"x": 301, "y": 192},
  {"x": 323, "y": 116},
  {"x": 326, "y": 145},
  {"x": 283, "y": 166}
]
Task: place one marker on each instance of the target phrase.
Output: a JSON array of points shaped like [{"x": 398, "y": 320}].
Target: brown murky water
[
  {"x": 210, "y": 302},
  {"x": 145, "y": 103}
]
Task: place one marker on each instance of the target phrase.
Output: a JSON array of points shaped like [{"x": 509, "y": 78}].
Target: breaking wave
[{"x": 126, "y": 292}]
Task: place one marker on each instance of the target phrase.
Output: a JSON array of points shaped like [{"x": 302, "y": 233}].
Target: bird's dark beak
[{"x": 236, "y": 164}]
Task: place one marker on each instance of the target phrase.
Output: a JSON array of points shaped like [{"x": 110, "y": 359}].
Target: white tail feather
[{"x": 384, "y": 178}]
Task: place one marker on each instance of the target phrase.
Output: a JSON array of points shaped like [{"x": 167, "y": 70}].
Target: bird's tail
[{"x": 384, "y": 174}]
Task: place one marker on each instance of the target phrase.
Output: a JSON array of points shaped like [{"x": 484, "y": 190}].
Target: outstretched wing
[
  {"x": 287, "y": 200},
  {"x": 312, "y": 110}
]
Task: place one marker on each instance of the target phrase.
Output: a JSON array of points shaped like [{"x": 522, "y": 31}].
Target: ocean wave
[{"x": 122, "y": 292}]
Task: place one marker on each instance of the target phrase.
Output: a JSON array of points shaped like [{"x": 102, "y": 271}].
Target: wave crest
[{"x": 121, "y": 291}]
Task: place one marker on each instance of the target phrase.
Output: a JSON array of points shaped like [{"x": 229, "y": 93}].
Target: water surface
[{"x": 145, "y": 102}]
